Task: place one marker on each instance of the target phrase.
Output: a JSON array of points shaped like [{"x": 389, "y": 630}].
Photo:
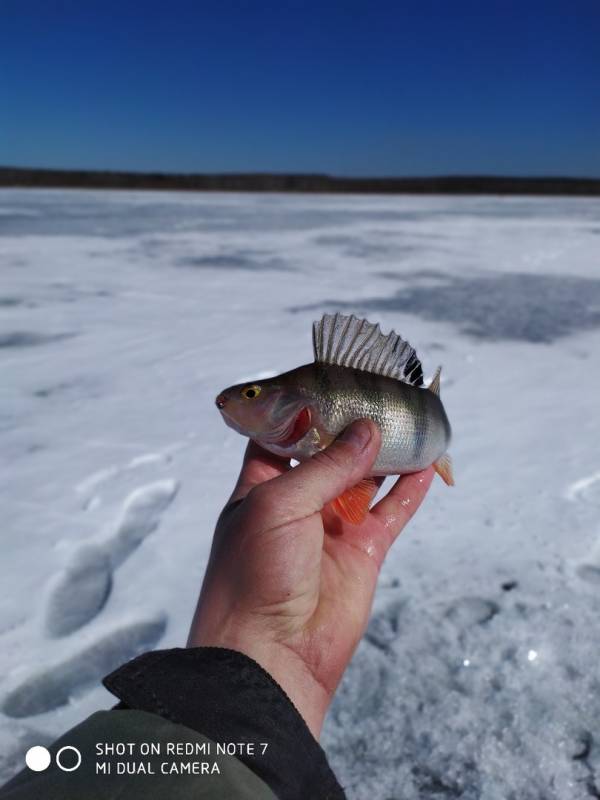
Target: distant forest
[{"x": 274, "y": 182}]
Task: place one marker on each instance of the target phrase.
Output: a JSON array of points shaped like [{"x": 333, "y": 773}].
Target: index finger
[{"x": 258, "y": 466}]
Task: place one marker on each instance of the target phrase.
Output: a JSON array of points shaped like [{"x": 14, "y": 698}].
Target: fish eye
[{"x": 250, "y": 392}]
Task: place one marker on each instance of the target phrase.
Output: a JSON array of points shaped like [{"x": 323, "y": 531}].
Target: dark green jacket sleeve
[
  {"x": 213, "y": 696},
  {"x": 154, "y": 766}
]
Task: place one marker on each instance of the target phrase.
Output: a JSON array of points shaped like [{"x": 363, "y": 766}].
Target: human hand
[{"x": 288, "y": 582}]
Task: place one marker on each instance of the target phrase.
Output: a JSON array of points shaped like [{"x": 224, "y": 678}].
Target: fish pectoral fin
[
  {"x": 443, "y": 467},
  {"x": 353, "y": 505}
]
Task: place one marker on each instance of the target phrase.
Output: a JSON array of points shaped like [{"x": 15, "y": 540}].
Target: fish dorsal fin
[
  {"x": 434, "y": 386},
  {"x": 359, "y": 344}
]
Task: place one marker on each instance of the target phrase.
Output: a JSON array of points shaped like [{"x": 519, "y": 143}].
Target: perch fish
[{"x": 357, "y": 372}]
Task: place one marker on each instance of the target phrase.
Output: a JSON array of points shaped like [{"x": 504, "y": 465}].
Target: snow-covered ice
[{"x": 121, "y": 317}]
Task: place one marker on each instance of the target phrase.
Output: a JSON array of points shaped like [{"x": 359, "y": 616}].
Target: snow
[{"x": 121, "y": 317}]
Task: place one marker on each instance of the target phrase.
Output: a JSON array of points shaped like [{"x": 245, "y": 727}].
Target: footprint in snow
[
  {"x": 54, "y": 685},
  {"x": 81, "y": 590},
  {"x": 590, "y": 573},
  {"x": 587, "y": 489},
  {"x": 583, "y": 488},
  {"x": 90, "y": 487},
  {"x": 140, "y": 517},
  {"x": 383, "y": 629},
  {"x": 362, "y": 691},
  {"x": 467, "y": 611}
]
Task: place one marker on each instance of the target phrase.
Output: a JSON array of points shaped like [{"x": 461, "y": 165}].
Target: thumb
[{"x": 308, "y": 487}]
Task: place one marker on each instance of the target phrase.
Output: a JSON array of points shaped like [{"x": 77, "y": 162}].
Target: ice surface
[
  {"x": 531, "y": 308},
  {"x": 121, "y": 317}
]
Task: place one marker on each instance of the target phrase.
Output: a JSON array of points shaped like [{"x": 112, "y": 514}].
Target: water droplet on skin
[
  {"x": 390, "y": 520},
  {"x": 405, "y": 502}
]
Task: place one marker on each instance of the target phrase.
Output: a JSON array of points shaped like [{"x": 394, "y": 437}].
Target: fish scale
[{"x": 414, "y": 428}]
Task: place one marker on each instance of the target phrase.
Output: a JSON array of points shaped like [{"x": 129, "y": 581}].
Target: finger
[
  {"x": 401, "y": 502},
  {"x": 308, "y": 487},
  {"x": 258, "y": 466}
]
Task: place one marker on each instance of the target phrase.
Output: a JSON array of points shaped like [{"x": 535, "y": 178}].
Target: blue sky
[{"x": 348, "y": 88}]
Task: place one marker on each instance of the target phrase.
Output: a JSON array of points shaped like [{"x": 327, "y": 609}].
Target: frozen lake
[{"x": 121, "y": 317}]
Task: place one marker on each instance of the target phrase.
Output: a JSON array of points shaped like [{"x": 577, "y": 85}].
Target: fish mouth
[{"x": 296, "y": 429}]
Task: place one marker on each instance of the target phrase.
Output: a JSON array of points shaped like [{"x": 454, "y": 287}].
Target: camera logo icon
[{"x": 38, "y": 758}]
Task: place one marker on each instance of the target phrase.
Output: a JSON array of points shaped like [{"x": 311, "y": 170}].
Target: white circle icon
[
  {"x": 62, "y": 750},
  {"x": 37, "y": 758}
]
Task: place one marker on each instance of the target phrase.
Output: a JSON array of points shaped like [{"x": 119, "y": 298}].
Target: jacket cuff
[{"x": 228, "y": 697}]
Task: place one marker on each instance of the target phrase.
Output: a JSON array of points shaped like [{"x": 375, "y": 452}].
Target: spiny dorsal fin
[
  {"x": 434, "y": 386},
  {"x": 359, "y": 344}
]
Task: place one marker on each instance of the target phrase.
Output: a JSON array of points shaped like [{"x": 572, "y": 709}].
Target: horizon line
[
  {"x": 297, "y": 182},
  {"x": 302, "y": 174}
]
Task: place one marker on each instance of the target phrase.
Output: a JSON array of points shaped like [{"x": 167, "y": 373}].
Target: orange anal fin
[
  {"x": 443, "y": 467},
  {"x": 353, "y": 505}
]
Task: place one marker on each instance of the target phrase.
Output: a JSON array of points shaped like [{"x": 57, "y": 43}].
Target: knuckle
[{"x": 259, "y": 499}]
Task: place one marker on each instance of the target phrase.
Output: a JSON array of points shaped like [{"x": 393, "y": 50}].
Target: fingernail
[{"x": 358, "y": 434}]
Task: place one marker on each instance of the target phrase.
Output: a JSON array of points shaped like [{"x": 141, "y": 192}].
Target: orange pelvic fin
[
  {"x": 353, "y": 505},
  {"x": 443, "y": 467}
]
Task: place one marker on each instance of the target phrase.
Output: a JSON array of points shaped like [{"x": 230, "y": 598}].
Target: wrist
[{"x": 293, "y": 675}]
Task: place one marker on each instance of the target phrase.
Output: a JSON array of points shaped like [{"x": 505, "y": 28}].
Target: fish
[{"x": 356, "y": 372}]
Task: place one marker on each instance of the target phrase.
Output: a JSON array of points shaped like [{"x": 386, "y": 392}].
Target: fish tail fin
[
  {"x": 443, "y": 467},
  {"x": 353, "y": 504}
]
